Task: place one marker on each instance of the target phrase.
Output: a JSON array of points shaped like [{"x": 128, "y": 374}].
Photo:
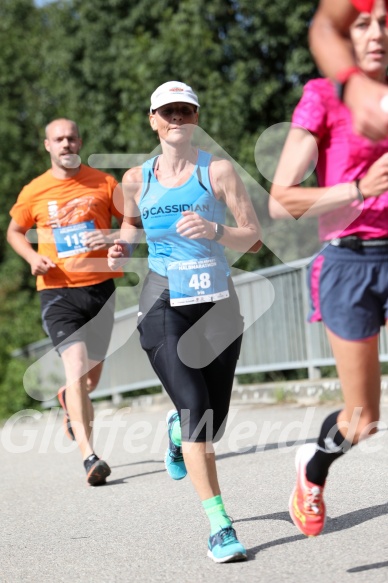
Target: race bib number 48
[
  {"x": 70, "y": 240},
  {"x": 196, "y": 280}
]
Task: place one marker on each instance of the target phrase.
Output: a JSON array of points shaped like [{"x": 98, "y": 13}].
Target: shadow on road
[
  {"x": 222, "y": 456},
  {"x": 337, "y": 524},
  {"x": 368, "y": 567},
  {"x": 267, "y": 447}
]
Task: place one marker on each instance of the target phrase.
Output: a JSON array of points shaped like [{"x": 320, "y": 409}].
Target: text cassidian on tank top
[{"x": 197, "y": 270}]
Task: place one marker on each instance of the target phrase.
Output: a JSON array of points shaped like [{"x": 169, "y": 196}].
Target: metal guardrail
[{"x": 274, "y": 302}]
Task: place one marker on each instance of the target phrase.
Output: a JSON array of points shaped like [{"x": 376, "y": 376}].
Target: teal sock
[
  {"x": 176, "y": 433},
  {"x": 214, "y": 508}
]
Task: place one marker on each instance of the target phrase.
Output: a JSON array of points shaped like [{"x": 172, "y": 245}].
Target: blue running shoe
[
  {"x": 225, "y": 548},
  {"x": 173, "y": 459}
]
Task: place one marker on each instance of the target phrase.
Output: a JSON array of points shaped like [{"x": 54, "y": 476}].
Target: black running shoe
[{"x": 96, "y": 470}]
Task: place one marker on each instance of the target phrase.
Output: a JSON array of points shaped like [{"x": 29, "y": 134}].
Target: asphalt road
[{"x": 144, "y": 527}]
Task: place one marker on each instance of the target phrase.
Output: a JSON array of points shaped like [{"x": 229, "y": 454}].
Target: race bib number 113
[{"x": 70, "y": 240}]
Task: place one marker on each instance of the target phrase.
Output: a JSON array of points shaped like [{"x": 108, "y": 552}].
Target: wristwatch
[
  {"x": 342, "y": 78},
  {"x": 219, "y": 231}
]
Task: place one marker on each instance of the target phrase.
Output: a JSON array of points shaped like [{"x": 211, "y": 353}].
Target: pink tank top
[{"x": 343, "y": 157}]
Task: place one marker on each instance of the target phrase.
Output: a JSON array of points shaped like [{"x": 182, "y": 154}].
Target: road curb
[{"x": 302, "y": 392}]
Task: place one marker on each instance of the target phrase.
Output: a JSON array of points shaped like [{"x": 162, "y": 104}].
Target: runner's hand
[
  {"x": 118, "y": 254},
  {"x": 193, "y": 226},
  {"x": 95, "y": 240},
  {"x": 375, "y": 181},
  {"x": 40, "y": 264},
  {"x": 364, "y": 96}
]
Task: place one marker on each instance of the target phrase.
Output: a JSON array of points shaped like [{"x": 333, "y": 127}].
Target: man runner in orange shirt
[{"x": 72, "y": 207}]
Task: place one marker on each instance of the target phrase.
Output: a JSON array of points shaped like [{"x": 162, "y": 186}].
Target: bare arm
[
  {"x": 330, "y": 28},
  {"x": 131, "y": 227},
  {"x": 16, "y": 237},
  {"x": 332, "y": 51},
  {"x": 246, "y": 236},
  {"x": 288, "y": 199}
]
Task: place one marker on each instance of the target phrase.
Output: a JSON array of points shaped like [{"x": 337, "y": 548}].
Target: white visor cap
[{"x": 173, "y": 92}]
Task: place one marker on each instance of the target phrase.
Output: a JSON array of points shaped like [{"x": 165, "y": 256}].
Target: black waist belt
[{"x": 352, "y": 242}]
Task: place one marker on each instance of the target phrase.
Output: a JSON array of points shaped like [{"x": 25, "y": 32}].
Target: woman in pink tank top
[{"x": 349, "y": 277}]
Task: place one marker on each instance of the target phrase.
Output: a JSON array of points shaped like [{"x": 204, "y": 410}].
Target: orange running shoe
[
  {"x": 306, "y": 506},
  {"x": 66, "y": 419}
]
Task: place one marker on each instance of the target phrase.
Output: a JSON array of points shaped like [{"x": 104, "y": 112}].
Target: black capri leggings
[{"x": 189, "y": 355}]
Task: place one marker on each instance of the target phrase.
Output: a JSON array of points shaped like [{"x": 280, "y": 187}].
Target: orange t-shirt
[{"x": 62, "y": 210}]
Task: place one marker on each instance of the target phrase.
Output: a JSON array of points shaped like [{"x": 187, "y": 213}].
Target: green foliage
[
  {"x": 97, "y": 62},
  {"x": 15, "y": 398}
]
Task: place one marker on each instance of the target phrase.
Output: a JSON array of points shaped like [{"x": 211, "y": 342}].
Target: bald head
[
  {"x": 63, "y": 144},
  {"x": 53, "y": 125}
]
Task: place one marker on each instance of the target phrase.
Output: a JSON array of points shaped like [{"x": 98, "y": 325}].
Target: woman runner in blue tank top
[{"x": 189, "y": 317}]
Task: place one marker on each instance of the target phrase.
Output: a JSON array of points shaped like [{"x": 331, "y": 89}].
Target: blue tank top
[{"x": 161, "y": 208}]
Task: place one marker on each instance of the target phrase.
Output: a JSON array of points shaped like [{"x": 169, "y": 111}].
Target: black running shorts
[{"x": 80, "y": 314}]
